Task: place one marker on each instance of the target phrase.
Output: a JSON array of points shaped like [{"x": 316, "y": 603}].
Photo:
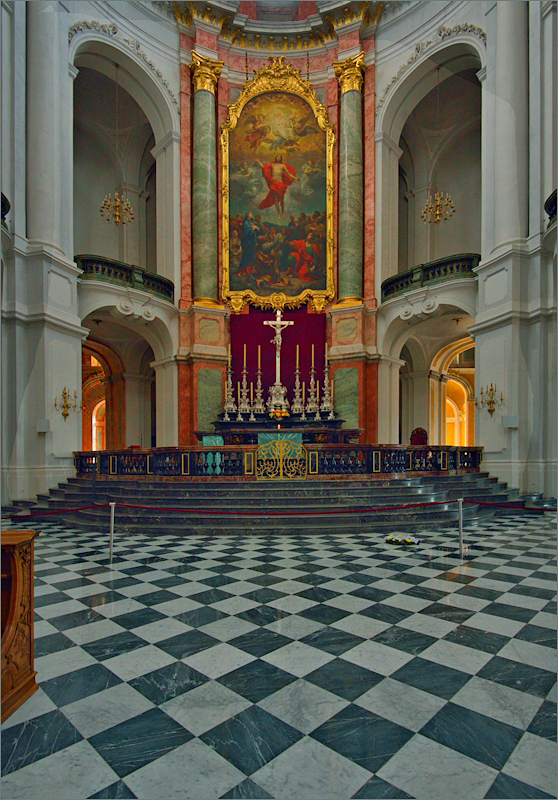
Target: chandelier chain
[{"x": 118, "y": 210}]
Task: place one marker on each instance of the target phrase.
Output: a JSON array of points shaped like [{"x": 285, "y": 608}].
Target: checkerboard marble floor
[{"x": 293, "y": 667}]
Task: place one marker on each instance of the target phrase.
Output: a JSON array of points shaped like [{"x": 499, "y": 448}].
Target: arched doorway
[{"x": 98, "y": 440}]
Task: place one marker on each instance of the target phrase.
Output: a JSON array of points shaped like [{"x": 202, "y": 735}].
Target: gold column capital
[
  {"x": 349, "y": 73},
  {"x": 205, "y": 72}
]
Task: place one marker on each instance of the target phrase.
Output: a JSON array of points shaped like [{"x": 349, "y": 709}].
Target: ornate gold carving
[
  {"x": 205, "y": 72},
  {"x": 281, "y": 460},
  {"x": 277, "y": 76},
  {"x": 349, "y": 73}
]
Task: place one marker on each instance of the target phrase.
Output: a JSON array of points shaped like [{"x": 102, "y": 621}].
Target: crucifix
[{"x": 277, "y": 392}]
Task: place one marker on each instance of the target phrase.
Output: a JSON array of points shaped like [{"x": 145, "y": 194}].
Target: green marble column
[
  {"x": 350, "y": 210},
  {"x": 204, "y": 181}
]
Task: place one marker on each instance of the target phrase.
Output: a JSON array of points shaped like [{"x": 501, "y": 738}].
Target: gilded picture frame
[{"x": 280, "y": 262}]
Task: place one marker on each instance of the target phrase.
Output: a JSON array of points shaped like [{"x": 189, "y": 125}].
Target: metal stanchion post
[
  {"x": 112, "y": 507},
  {"x": 460, "y": 512},
  {"x": 94, "y": 478}
]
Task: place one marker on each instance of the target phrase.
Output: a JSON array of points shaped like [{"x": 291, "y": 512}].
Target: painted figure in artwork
[
  {"x": 277, "y": 202},
  {"x": 278, "y": 177}
]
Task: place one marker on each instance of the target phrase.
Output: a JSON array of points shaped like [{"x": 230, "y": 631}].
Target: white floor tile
[
  {"x": 431, "y": 626},
  {"x": 139, "y": 662},
  {"x": 105, "y": 709},
  {"x": 499, "y": 702},
  {"x": 294, "y": 627},
  {"x": 303, "y": 705},
  {"x": 377, "y": 657},
  {"x": 62, "y": 662},
  {"x": 76, "y": 771},
  {"x": 404, "y": 705},
  {"x": 493, "y": 624},
  {"x": 190, "y": 772},
  {"x": 367, "y": 627},
  {"x": 430, "y": 771},
  {"x": 218, "y": 660},
  {"x": 308, "y": 769},
  {"x": 535, "y": 655},
  {"x": 534, "y": 762},
  {"x": 39, "y": 703},
  {"x": 203, "y": 708},
  {"x": 456, "y": 656},
  {"x": 298, "y": 658}
]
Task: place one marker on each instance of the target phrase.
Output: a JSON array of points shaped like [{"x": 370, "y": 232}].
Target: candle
[
  {"x": 251, "y": 392},
  {"x": 297, "y": 356},
  {"x": 244, "y": 356},
  {"x": 238, "y": 390},
  {"x": 303, "y": 391},
  {"x": 318, "y": 391},
  {"x": 229, "y": 350},
  {"x": 312, "y": 355},
  {"x": 332, "y": 386},
  {"x": 326, "y": 353},
  {"x": 259, "y": 356}
]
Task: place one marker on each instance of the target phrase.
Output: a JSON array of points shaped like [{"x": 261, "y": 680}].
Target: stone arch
[
  {"x": 466, "y": 51},
  {"x": 99, "y": 51},
  {"x": 108, "y": 386},
  {"x": 403, "y": 94}
]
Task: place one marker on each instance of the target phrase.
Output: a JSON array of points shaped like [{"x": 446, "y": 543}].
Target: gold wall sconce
[
  {"x": 67, "y": 403},
  {"x": 488, "y": 399}
]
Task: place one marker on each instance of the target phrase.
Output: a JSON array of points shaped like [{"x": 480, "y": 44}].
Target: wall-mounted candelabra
[
  {"x": 67, "y": 403},
  {"x": 488, "y": 399}
]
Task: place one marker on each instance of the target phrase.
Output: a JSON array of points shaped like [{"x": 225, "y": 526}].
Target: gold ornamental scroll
[
  {"x": 256, "y": 138},
  {"x": 281, "y": 460}
]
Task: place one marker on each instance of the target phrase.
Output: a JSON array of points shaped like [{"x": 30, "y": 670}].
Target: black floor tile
[
  {"x": 518, "y": 676},
  {"x": 36, "y": 738},
  {"x": 365, "y": 738},
  {"x": 538, "y": 635},
  {"x": 262, "y": 615},
  {"x": 167, "y": 682},
  {"x": 404, "y": 639},
  {"x": 344, "y": 679},
  {"x": 544, "y": 721},
  {"x": 251, "y": 739},
  {"x": 385, "y": 613},
  {"x": 116, "y": 791},
  {"x": 256, "y": 680},
  {"x": 246, "y": 791},
  {"x": 430, "y": 677},
  {"x": 187, "y": 644},
  {"x": 508, "y": 788},
  {"x": 323, "y": 614},
  {"x": 509, "y": 612},
  {"x": 46, "y": 645},
  {"x": 135, "y": 619},
  {"x": 75, "y": 619},
  {"x": 485, "y": 739},
  {"x": 52, "y": 599},
  {"x": 332, "y": 640},
  {"x": 198, "y": 617},
  {"x": 477, "y": 639},
  {"x": 80, "y": 683},
  {"x": 377, "y": 788},
  {"x": 259, "y": 642},
  {"x": 139, "y": 741},
  {"x": 447, "y": 612}
]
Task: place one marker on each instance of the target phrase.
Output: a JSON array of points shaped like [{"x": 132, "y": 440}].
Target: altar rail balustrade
[
  {"x": 444, "y": 269},
  {"x": 116, "y": 272},
  {"x": 240, "y": 462}
]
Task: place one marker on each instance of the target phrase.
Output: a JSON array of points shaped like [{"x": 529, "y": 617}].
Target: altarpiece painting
[{"x": 277, "y": 161}]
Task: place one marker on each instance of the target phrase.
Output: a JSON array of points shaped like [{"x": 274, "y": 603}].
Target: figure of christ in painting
[{"x": 278, "y": 177}]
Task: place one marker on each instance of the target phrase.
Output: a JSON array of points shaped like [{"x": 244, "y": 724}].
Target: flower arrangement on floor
[
  {"x": 279, "y": 413},
  {"x": 400, "y": 538}
]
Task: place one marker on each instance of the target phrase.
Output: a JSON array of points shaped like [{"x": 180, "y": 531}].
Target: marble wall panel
[
  {"x": 210, "y": 398},
  {"x": 346, "y": 395}
]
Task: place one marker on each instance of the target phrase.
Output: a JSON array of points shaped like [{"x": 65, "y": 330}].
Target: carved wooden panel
[{"x": 18, "y": 674}]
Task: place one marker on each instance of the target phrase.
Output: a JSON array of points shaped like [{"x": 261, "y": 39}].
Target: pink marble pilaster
[{"x": 223, "y": 100}]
